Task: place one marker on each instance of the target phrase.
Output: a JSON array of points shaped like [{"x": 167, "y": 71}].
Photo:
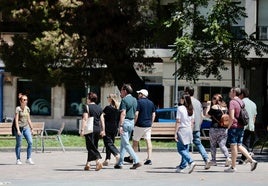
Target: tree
[
  {"x": 208, "y": 41},
  {"x": 79, "y": 41}
]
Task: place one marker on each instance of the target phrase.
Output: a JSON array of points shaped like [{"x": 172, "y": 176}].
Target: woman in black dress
[{"x": 109, "y": 119}]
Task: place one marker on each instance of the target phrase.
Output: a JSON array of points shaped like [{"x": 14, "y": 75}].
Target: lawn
[{"x": 77, "y": 141}]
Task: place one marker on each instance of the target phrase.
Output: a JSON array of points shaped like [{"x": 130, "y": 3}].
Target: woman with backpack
[{"x": 218, "y": 132}]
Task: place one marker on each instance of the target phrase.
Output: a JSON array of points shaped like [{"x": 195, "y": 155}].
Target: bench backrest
[
  {"x": 38, "y": 128},
  {"x": 163, "y": 129}
]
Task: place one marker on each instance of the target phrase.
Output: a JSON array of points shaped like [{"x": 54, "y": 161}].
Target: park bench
[
  {"x": 6, "y": 133},
  {"x": 39, "y": 133},
  {"x": 166, "y": 130}
]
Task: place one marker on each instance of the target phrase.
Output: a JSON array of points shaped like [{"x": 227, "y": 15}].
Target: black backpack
[{"x": 243, "y": 118}]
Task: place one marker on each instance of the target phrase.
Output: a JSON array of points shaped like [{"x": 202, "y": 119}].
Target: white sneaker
[
  {"x": 30, "y": 161},
  {"x": 179, "y": 170},
  {"x": 208, "y": 164},
  {"x": 228, "y": 162},
  {"x": 230, "y": 169},
  {"x": 254, "y": 164},
  {"x": 191, "y": 167},
  {"x": 18, "y": 162}
]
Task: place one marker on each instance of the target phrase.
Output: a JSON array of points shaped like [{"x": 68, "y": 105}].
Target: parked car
[
  {"x": 169, "y": 115},
  {"x": 166, "y": 114}
]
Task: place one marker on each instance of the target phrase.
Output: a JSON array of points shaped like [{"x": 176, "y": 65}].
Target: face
[
  {"x": 109, "y": 99},
  {"x": 123, "y": 93},
  {"x": 24, "y": 100}
]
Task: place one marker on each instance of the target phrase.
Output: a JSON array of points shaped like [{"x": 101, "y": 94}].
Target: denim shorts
[{"x": 235, "y": 136}]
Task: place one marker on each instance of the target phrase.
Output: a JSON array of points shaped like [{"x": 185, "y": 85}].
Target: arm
[
  {"x": 30, "y": 123},
  {"x": 17, "y": 124},
  {"x": 121, "y": 121},
  {"x": 102, "y": 122},
  {"x": 136, "y": 117},
  {"x": 232, "y": 118},
  {"x": 84, "y": 119},
  {"x": 177, "y": 124},
  {"x": 153, "y": 118}
]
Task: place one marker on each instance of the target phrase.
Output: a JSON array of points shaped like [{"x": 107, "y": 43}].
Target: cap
[{"x": 143, "y": 91}]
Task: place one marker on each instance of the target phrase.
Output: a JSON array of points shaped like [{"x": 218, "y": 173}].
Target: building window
[
  {"x": 76, "y": 97},
  {"x": 39, "y": 97},
  {"x": 263, "y": 32}
]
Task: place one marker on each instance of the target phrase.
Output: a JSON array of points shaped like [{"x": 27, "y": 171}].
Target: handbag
[{"x": 88, "y": 126}]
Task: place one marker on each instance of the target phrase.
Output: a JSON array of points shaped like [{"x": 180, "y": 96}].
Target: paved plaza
[{"x": 54, "y": 167}]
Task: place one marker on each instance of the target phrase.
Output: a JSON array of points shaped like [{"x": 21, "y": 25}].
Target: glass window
[
  {"x": 76, "y": 97},
  {"x": 39, "y": 97}
]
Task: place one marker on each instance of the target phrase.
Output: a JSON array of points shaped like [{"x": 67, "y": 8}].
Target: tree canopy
[
  {"x": 78, "y": 41},
  {"x": 208, "y": 40}
]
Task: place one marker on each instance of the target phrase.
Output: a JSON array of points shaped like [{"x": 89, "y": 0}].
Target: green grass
[{"x": 77, "y": 141}]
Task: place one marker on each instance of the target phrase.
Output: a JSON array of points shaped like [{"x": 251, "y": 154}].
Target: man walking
[
  {"x": 198, "y": 119},
  {"x": 249, "y": 135},
  {"x": 236, "y": 131},
  {"x": 144, "y": 118},
  {"x": 127, "y": 108}
]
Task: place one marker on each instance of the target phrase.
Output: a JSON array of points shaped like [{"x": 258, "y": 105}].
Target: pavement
[{"x": 55, "y": 167}]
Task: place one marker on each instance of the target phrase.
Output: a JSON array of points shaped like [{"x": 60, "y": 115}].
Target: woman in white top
[{"x": 184, "y": 133}]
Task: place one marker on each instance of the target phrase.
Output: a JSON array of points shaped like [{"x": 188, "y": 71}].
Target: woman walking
[
  {"x": 217, "y": 133},
  {"x": 110, "y": 119},
  {"x": 184, "y": 133},
  {"x": 91, "y": 109},
  {"x": 24, "y": 128}
]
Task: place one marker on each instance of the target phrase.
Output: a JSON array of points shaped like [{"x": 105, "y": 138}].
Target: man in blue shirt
[{"x": 144, "y": 118}]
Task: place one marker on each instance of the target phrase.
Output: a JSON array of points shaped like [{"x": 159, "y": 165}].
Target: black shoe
[
  {"x": 241, "y": 162},
  {"x": 148, "y": 162},
  {"x": 117, "y": 167},
  {"x": 136, "y": 165},
  {"x": 127, "y": 159}
]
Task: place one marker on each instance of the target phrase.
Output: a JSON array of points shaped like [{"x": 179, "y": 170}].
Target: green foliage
[
  {"x": 72, "y": 41},
  {"x": 207, "y": 41}
]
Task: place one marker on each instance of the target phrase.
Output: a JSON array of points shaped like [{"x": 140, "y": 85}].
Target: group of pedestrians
[
  {"x": 190, "y": 117},
  {"x": 121, "y": 118},
  {"x": 137, "y": 116}
]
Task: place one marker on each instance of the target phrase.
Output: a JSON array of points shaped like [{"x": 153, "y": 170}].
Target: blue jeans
[
  {"x": 183, "y": 150},
  {"x": 199, "y": 146},
  {"x": 26, "y": 132},
  {"x": 125, "y": 145}
]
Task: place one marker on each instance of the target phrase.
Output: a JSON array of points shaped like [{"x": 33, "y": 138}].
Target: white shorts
[{"x": 140, "y": 132}]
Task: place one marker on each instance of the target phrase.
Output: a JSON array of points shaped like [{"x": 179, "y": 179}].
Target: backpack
[
  {"x": 225, "y": 119},
  {"x": 243, "y": 118},
  {"x": 13, "y": 127}
]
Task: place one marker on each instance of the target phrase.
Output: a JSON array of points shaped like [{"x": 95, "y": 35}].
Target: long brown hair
[{"x": 188, "y": 104}]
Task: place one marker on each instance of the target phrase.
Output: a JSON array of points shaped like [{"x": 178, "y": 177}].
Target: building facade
[{"x": 57, "y": 104}]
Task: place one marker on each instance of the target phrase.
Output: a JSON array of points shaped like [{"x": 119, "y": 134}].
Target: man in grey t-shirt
[{"x": 198, "y": 119}]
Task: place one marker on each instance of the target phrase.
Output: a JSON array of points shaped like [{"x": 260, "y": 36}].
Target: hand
[
  {"x": 121, "y": 131},
  {"x": 82, "y": 133},
  {"x": 102, "y": 133},
  {"x": 176, "y": 137},
  {"x": 19, "y": 133}
]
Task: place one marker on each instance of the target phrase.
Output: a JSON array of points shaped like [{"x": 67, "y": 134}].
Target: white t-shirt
[{"x": 185, "y": 133}]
